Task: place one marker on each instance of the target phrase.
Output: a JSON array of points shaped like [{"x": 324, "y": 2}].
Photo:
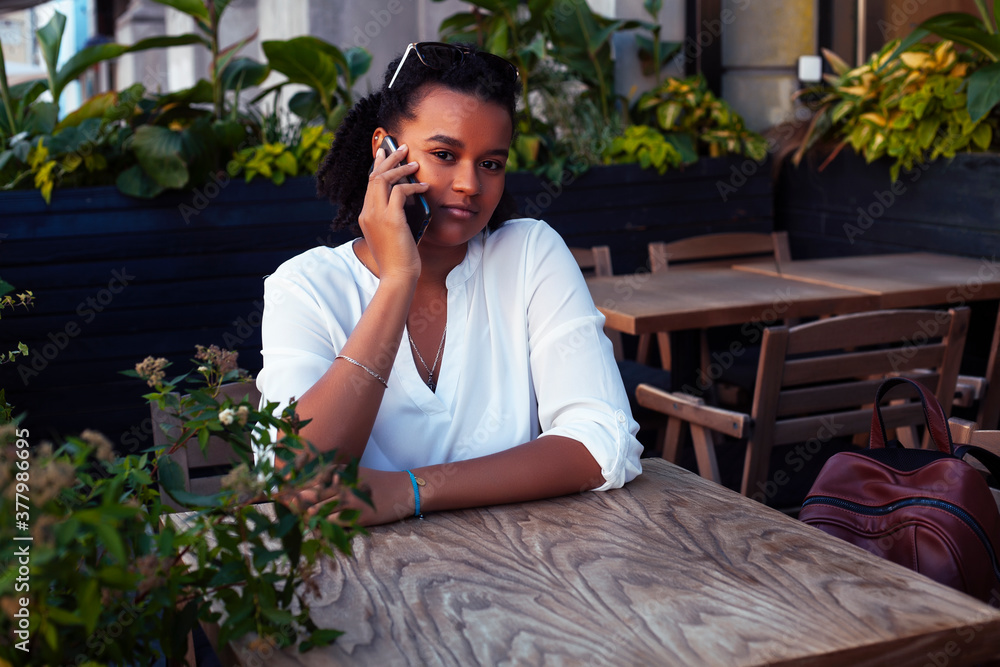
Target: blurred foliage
[
  {"x": 981, "y": 36},
  {"x": 909, "y": 106},
  {"x": 149, "y": 143}
]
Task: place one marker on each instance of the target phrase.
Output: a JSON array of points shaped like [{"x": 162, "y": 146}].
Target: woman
[{"x": 469, "y": 369}]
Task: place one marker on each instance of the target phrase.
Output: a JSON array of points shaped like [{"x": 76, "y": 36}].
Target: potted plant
[
  {"x": 901, "y": 148},
  {"x": 102, "y": 575}
]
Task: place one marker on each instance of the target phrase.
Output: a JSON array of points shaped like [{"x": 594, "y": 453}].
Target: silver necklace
[{"x": 430, "y": 371}]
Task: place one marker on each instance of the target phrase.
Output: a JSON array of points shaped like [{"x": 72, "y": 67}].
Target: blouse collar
[{"x": 457, "y": 276}]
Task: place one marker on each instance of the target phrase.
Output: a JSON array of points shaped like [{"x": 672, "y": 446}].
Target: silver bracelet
[{"x": 366, "y": 369}]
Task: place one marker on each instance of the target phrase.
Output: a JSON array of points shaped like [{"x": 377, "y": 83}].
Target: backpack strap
[
  {"x": 990, "y": 460},
  {"x": 937, "y": 423}
]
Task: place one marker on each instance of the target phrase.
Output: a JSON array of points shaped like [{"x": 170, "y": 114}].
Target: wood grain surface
[
  {"x": 700, "y": 298},
  {"x": 903, "y": 280},
  {"x": 669, "y": 570}
]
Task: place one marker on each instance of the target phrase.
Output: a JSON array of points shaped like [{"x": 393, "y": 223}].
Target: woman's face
[{"x": 461, "y": 144}]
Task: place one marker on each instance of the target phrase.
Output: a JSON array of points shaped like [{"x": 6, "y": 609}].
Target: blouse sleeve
[
  {"x": 300, "y": 331},
  {"x": 577, "y": 383}
]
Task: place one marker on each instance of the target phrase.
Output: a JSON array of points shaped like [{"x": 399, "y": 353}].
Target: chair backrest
[
  {"x": 203, "y": 472},
  {"x": 595, "y": 261},
  {"x": 818, "y": 380},
  {"x": 964, "y": 432},
  {"x": 719, "y": 250}
]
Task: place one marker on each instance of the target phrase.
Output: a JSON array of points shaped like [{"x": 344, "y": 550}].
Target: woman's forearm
[
  {"x": 343, "y": 404},
  {"x": 544, "y": 468}
]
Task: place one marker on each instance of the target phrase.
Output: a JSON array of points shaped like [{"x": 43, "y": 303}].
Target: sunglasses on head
[{"x": 438, "y": 55}]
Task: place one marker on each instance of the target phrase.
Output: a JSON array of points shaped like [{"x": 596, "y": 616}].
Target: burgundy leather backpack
[{"x": 927, "y": 510}]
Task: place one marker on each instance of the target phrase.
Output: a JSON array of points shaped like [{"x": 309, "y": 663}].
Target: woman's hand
[
  {"x": 382, "y": 219},
  {"x": 391, "y": 493}
]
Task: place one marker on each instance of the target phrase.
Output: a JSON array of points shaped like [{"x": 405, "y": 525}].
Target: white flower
[
  {"x": 227, "y": 416},
  {"x": 243, "y": 412},
  {"x": 202, "y": 369}
]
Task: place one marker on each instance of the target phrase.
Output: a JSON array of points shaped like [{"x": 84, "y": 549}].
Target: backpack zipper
[{"x": 927, "y": 502}]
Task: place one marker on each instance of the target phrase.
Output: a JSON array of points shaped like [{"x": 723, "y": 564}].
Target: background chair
[
  {"x": 982, "y": 394},
  {"x": 719, "y": 250},
  {"x": 815, "y": 383},
  {"x": 203, "y": 472},
  {"x": 965, "y": 432},
  {"x": 714, "y": 251}
]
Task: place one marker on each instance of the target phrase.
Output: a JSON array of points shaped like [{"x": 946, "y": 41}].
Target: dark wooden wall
[
  {"x": 117, "y": 279},
  {"x": 626, "y": 207},
  {"x": 193, "y": 277},
  {"x": 852, "y": 208}
]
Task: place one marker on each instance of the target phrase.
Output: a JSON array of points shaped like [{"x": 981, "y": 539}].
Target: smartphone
[{"x": 418, "y": 213}]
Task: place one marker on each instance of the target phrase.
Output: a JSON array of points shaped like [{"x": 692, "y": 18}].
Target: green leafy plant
[
  {"x": 22, "y": 110},
  {"x": 329, "y": 73},
  {"x": 177, "y": 141},
  {"x": 982, "y": 38},
  {"x": 909, "y": 106},
  {"x": 147, "y": 144},
  {"x": 696, "y": 122},
  {"x": 85, "y": 148},
  {"x": 581, "y": 40},
  {"x": 654, "y": 53},
  {"x": 110, "y": 577},
  {"x": 646, "y": 146},
  {"x": 278, "y": 161},
  {"x": 226, "y": 71}
]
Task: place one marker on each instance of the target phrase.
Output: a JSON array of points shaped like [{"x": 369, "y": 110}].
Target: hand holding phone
[{"x": 418, "y": 213}]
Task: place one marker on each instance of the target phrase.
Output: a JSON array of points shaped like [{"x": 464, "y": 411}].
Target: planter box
[
  {"x": 852, "y": 208},
  {"x": 117, "y": 279}
]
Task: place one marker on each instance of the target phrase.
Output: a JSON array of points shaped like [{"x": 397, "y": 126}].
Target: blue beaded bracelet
[{"x": 417, "y": 483}]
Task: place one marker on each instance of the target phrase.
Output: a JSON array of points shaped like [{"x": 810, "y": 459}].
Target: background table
[
  {"x": 904, "y": 280},
  {"x": 700, "y": 298},
  {"x": 669, "y": 570}
]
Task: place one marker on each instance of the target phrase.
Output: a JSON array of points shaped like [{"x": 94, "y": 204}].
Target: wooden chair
[
  {"x": 817, "y": 380},
  {"x": 203, "y": 472},
  {"x": 965, "y": 432},
  {"x": 711, "y": 251},
  {"x": 719, "y": 250},
  {"x": 983, "y": 393}
]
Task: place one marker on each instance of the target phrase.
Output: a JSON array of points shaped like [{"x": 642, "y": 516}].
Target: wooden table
[
  {"x": 670, "y": 570},
  {"x": 700, "y": 298},
  {"x": 904, "y": 280}
]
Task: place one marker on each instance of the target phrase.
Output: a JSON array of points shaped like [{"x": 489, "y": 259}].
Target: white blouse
[{"x": 525, "y": 354}]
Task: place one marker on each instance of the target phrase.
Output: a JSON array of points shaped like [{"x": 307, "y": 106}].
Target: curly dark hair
[{"x": 342, "y": 177}]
